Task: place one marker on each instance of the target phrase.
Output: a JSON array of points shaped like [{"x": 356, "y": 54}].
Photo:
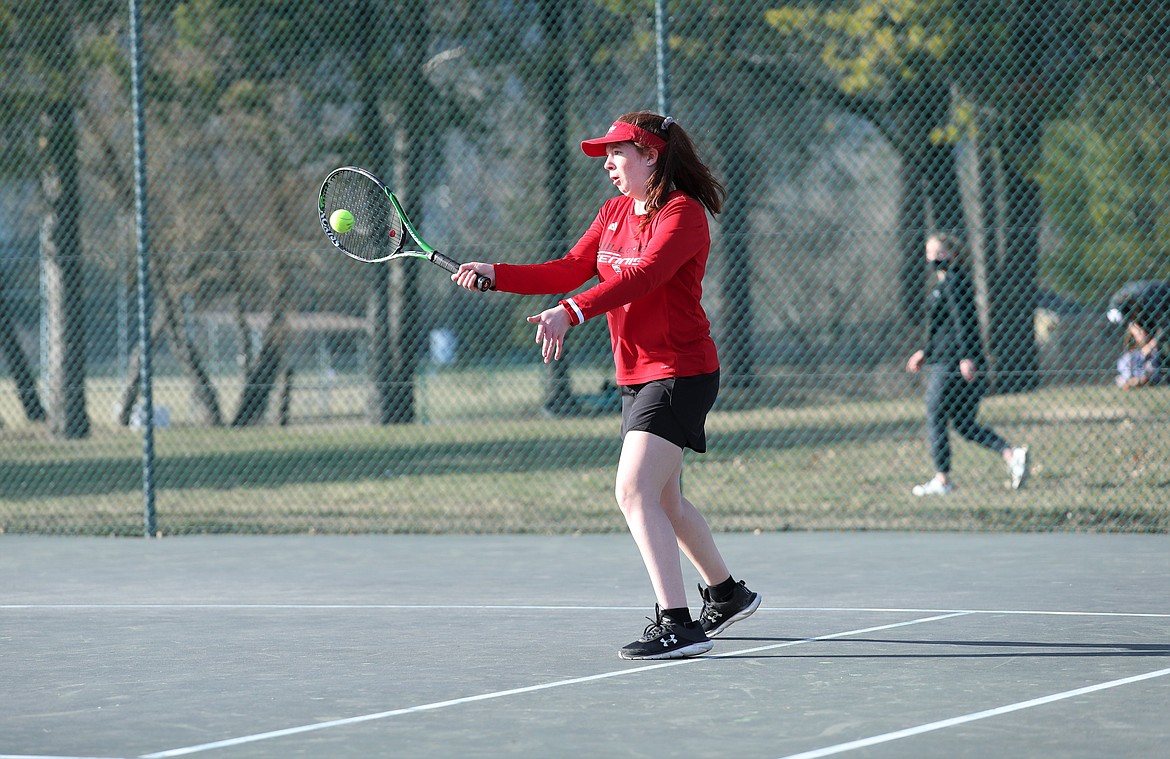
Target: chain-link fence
[{"x": 293, "y": 389}]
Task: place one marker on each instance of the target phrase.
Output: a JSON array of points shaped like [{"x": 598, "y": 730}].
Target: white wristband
[{"x": 576, "y": 310}]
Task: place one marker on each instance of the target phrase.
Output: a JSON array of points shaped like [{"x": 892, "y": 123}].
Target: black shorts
[{"x": 674, "y": 409}]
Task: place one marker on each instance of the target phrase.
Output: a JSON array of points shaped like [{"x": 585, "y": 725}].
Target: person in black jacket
[{"x": 955, "y": 367}]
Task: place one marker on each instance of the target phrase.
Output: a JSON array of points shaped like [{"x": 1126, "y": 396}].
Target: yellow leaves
[
  {"x": 964, "y": 113},
  {"x": 947, "y": 134},
  {"x": 856, "y": 74},
  {"x": 961, "y": 125},
  {"x": 900, "y": 11},
  {"x": 245, "y": 93},
  {"x": 790, "y": 20},
  {"x": 868, "y": 42},
  {"x": 937, "y": 45},
  {"x": 842, "y": 21}
]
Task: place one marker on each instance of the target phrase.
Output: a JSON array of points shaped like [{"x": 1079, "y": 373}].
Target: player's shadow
[{"x": 964, "y": 649}]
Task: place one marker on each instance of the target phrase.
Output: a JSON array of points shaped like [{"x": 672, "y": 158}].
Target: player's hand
[
  {"x": 468, "y": 272},
  {"x": 967, "y": 369},
  {"x": 551, "y": 326},
  {"x": 915, "y": 362}
]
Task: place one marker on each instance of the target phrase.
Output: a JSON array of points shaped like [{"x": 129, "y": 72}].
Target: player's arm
[
  {"x": 966, "y": 318},
  {"x": 562, "y": 275},
  {"x": 680, "y": 233}
]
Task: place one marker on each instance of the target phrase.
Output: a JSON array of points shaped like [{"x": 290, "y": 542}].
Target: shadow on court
[{"x": 1005, "y": 649}]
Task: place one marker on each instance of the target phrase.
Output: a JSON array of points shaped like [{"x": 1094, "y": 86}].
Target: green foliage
[
  {"x": 869, "y": 45},
  {"x": 1106, "y": 179},
  {"x": 1104, "y": 172}
]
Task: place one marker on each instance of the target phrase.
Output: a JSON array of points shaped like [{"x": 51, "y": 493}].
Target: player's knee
[{"x": 630, "y": 497}]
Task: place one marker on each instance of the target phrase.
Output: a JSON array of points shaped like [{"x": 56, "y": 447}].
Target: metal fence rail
[{"x": 294, "y": 390}]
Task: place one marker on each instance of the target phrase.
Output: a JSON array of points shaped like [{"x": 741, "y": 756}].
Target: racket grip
[{"x": 482, "y": 283}]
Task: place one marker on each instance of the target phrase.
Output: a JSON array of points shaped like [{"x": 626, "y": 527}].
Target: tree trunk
[
  {"x": 380, "y": 404},
  {"x": 554, "y": 100},
  {"x": 986, "y": 245},
  {"x": 738, "y": 343},
  {"x": 911, "y": 237},
  {"x": 284, "y": 417},
  {"x": 1012, "y": 284},
  {"x": 389, "y": 301},
  {"x": 65, "y": 372},
  {"x": 1035, "y": 39},
  {"x": 418, "y": 133},
  {"x": 931, "y": 196},
  {"x": 941, "y": 166},
  {"x": 133, "y": 386},
  {"x": 185, "y": 350},
  {"x": 261, "y": 380},
  {"x": 167, "y": 322},
  {"x": 26, "y": 384}
]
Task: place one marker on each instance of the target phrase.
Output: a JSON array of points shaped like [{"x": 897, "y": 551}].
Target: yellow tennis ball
[{"x": 341, "y": 220}]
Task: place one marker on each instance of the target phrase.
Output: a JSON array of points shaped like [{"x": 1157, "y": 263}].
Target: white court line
[
  {"x": 516, "y": 691},
  {"x": 841, "y": 748},
  {"x": 1038, "y": 612},
  {"x": 311, "y": 607},
  {"x": 554, "y": 607},
  {"x": 43, "y": 756}
]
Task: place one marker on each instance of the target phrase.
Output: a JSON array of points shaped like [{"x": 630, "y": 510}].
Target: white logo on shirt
[
  {"x": 613, "y": 259},
  {"x": 616, "y": 262},
  {"x": 612, "y": 227}
]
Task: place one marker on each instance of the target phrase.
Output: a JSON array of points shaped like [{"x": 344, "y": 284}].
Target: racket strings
[{"x": 377, "y": 231}]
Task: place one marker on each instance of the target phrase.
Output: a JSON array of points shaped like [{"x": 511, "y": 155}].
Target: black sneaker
[
  {"x": 666, "y": 639},
  {"x": 717, "y": 616}
]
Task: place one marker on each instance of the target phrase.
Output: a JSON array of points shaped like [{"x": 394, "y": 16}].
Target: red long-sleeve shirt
[{"x": 650, "y": 289}]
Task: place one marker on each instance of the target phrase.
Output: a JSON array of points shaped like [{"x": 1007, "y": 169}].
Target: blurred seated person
[
  {"x": 1139, "y": 365},
  {"x": 1144, "y": 308}
]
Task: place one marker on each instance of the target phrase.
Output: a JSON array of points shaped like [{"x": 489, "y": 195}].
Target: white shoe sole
[
  {"x": 925, "y": 491},
  {"x": 747, "y": 612},
  {"x": 700, "y": 647}
]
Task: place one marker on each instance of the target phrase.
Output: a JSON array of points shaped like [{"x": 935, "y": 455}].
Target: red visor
[{"x": 621, "y": 132}]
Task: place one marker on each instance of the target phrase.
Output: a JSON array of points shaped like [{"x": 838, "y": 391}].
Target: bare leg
[
  {"x": 661, "y": 520},
  {"x": 647, "y": 463},
  {"x": 693, "y": 532}
]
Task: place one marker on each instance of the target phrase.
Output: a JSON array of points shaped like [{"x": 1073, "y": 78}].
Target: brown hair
[{"x": 679, "y": 166}]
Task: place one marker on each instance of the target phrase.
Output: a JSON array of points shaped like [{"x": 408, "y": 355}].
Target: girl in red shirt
[{"x": 648, "y": 248}]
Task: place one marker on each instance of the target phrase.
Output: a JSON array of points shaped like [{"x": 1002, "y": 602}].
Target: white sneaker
[
  {"x": 1019, "y": 467},
  {"x": 933, "y": 487}
]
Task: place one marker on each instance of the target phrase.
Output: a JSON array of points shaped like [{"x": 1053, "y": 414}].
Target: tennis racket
[{"x": 380, "y": 226}]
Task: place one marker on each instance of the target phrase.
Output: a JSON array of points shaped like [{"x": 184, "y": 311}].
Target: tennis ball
[{"x": 341, "y": 220}]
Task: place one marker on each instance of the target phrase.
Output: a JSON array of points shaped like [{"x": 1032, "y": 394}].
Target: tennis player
[{"x": 648, "y": 248}]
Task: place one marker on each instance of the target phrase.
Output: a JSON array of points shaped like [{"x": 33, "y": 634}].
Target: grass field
[{"x": 485, "y": 460}]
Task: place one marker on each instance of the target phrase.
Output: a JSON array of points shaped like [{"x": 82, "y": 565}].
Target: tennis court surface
[{"x": 867, "y": 645}]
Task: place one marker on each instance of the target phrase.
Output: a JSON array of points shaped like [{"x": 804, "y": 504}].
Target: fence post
[
  {"x": 145, "y": 309},
  {"x": 662, "y": 55}
]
